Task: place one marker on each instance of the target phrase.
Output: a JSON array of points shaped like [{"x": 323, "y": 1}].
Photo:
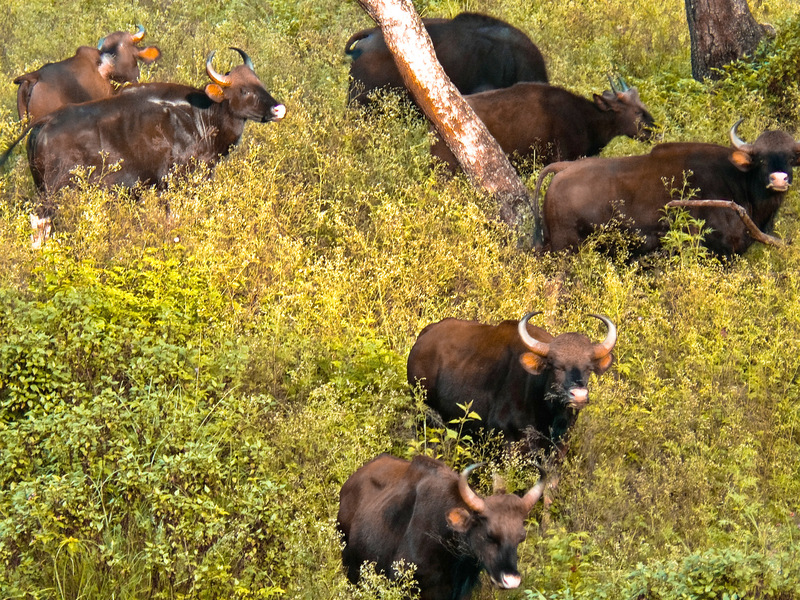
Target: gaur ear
[
  {"x": 601, "y": 102},
  {"x": 215, "y": 92},
  {"x": 149, "y": 54},
  {"x": 602, "y": 365},
  {"x": 459, "y": 519},
  {"x": 741, "y": 160},
  {"x": 532, "y": 363}
]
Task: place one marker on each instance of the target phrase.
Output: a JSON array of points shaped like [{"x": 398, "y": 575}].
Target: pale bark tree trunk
[
  {"x": 721, "y": 31},
  {"x": 476, "y": 150}
]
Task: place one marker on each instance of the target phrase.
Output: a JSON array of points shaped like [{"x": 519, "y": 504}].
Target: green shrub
[
  {"x": 773, "y": 74},
  {"x": 188, "y": 377},
  {"x": 729, "y": 574}
]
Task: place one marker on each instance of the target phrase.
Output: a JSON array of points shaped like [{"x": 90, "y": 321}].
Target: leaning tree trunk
[
  {"x": 721, "y": 31},
  {"x": 476, "y": 150}
]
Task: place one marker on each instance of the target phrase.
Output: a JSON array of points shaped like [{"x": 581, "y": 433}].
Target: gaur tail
[
  {"x": 539, "y": 226},
  {"x": 4, "y": 156},
  {"x": 349, "y": 47},
  {"x": 25, "y": 83}
]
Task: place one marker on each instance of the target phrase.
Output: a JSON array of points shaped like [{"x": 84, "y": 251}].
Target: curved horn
[
  {"x": 611, "y": 83},
  {"x": 101, "y": 42},
  {"x": 738, "y": 142},
  {"x": 223, "y": 80},
  {"x": 534, "y": 345},
  {"x": 139, "y": 35},
  {"x": 605, "y": 347},
  {"x": 248, "y": 63},
  {"x": 624, "y": 87},
  {"x": 470, "y": 498},
  {"x": 532, "y": 496}
]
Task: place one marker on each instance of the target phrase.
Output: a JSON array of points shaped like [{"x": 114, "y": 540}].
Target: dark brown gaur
[
  {"x": 590, "y": 193},
  {"x": 91, "y": 74},
  {"x": 149, "y": 129},
  {"x": 549, "y": 123},
  {"x": 478, "y": 53},
  {"x": 521, "y": 380},
  {"x": 420, "y": 511}
]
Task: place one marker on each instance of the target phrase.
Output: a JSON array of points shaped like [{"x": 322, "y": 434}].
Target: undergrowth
[{"x": 188, "y": 377}]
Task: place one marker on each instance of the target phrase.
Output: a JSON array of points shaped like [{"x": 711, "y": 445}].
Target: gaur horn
[
  {"x": 139, "y": 35},
  {"x": 532, "y": 496},
  {"x": 611, "y": 83},
  {"x": 248, "y": 63},
  {"x": 470, "y": 498},
  {"x": 534, "y": 345},
  {"x": 620, "y": 86},
  {"x": 223, "y": 80},
  {"x": 738, "y": 142},
  {"x": 605, "y": 347}
]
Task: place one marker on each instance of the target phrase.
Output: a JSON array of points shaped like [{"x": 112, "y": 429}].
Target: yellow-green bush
[{"x": 183, "y": 391}]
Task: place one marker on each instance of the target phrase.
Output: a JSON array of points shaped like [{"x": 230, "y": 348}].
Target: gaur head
[
  {"x": 244, "y": 91},
  {"x": 631, "y": 115},
  {"x": 772, "y": 157},
  {"x": 493, "y": 527},
  {"x": 120, "y": 55},
  {"x": 568, "y": 360}
]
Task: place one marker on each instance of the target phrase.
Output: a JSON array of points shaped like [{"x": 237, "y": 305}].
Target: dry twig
[{"x": 752, "y": 228}]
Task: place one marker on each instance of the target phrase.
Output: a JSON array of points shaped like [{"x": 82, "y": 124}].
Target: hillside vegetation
[{"x": 184, "y": 391}]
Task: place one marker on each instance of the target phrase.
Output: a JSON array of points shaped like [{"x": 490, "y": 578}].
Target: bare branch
[{"x": 752, "y": 228}]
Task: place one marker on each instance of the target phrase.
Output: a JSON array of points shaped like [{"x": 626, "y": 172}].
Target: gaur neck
[
  {"x": 221, "y": 129},
  {"x": 602, "y": 129},
  {"x": 466, "y": 576}
]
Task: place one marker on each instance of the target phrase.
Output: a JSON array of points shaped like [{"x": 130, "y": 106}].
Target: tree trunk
[
  {"x": 721, "y": 31},
  {"x": 476, "y": 150}
]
